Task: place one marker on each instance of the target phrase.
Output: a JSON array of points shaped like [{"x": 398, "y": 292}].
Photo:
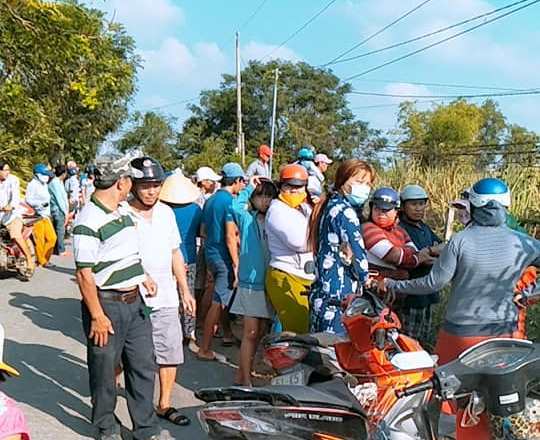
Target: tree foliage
[
  {"x": 154, "y": 135},
  {"x": 66, "y": 76},
  {"x": 311, "y": 109},
  {"x": 441, "y": 134}
]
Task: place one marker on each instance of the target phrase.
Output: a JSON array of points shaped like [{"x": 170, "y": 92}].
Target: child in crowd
[{"x": 250, "y": 300}]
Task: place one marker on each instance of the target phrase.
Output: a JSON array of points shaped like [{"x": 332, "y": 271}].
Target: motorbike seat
[
  {"x": 323, "y": 339},
  {"x": 334, "y": 393}
]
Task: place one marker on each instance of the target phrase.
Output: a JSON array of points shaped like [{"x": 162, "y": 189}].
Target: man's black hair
[
  {"x": 59, "y": 170},
  {"x": 230, "y": 181},
  {"x": 3, "y": 163},
  {"x": 266, "y": 188}
]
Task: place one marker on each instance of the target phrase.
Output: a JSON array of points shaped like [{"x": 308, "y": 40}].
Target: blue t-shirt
[
  {"x": 188, "y": 219},
  {"x": 216, "y": 214}
]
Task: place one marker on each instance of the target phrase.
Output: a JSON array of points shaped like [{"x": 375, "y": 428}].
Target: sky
[{"x": 187, "y": 45}]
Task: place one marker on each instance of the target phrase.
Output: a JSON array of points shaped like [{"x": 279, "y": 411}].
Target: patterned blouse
[{"x": 341, "y": 264}]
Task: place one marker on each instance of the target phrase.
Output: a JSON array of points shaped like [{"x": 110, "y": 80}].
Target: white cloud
[
  {"x": 147, "y": 20},
  {"x": 406, "y": 89},
  {"x": 259, "y": 51}
]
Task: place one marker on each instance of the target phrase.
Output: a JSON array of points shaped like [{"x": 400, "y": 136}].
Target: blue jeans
[{"x": 59, "y": 220}]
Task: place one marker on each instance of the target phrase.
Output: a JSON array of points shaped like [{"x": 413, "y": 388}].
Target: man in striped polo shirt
[{"x": 109, "y": 273}]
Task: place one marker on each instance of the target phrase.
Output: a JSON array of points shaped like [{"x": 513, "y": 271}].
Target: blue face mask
[{"x": 359, "y": 194}]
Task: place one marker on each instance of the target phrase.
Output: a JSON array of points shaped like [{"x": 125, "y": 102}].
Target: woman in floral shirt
[{"x": 336, "y": 239}]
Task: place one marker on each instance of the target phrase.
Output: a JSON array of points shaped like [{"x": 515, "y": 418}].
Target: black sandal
[{"x": 175, "y": 416}]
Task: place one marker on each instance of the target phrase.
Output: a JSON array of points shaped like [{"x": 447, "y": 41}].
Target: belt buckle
[{"x": 124, "y": 297}]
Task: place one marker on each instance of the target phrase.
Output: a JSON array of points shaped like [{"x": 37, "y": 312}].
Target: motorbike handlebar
[{"x": 415, "y": 389}]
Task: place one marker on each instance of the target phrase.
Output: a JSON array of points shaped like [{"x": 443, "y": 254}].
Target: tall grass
[{"x": 445, "y": 184}]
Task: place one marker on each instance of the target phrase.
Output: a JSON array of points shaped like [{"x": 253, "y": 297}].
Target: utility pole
[
  {"x": 240, "y": 134},
  {"x": 273, "y": 129}
]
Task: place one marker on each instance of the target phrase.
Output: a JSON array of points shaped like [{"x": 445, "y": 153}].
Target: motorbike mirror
[{"x": 414, "y": 360}]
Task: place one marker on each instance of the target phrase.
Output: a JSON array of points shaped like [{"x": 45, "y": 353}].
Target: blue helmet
[
  {"x": 385, "y": 198},
  {"x": 306, "y": 153},
  {"x": 41, "y": 168},
  {"x": 486, "y": 190}
]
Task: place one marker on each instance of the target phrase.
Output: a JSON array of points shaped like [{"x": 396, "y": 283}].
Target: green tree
[
  {"x": 66, "y": 77},
  {"x": 522, "y": 147},
  {"x": 456, "y": 132},
  {"x": 154, "y": 135},
  {"x": 311, "y": 109}
]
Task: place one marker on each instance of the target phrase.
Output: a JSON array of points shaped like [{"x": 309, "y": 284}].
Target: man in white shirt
[
  {"x": 261, "y": 166},
  {"x": 73, "y": 187},
  {"x": 10, "y": 215},
  {"x": 39, "y": 198},
  {"x": 159, "y": 244}
]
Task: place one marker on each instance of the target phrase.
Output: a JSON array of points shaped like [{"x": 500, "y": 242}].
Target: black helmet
[{"x": 151, "y": 170}]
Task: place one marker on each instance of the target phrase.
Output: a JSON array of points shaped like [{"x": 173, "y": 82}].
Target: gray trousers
[{"x": 132, "y": 345}]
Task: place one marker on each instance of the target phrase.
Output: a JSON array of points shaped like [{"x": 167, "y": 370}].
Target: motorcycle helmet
[
  {"x": 150, "y": 170},
  {"x": 489, "y": 189},
  {"x": 385, "y": 198},
  {"x": 306, "y": 153},
  {"x": 413, "y": 192},
  {"x": 42, "y": 169},
  {"x": 294, "y": 174}
]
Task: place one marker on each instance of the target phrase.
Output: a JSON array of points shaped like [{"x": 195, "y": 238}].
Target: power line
[
  {"x": 380, "y": 31},
  {"x": 456, "y": 86},
  {"x": 170, "y": 104},
  {"x": 481, "y": 95},
  {"x": 252, "y": 16},
  {"x": 395, "y": 60},
  {"x": 427, "y": 35},
  {"x": 300, "y": 29}
]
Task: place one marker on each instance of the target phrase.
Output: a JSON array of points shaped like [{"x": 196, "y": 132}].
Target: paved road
[{"x": 44, "y": 341}]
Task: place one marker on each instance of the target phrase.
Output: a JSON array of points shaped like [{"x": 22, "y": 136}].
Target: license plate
[{"x": 295, "y": 378}]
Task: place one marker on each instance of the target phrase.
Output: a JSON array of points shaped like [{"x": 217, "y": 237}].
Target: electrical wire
[
  {"x": 456, "y": 86},
  {"x": 252, "y": 16},
  {"x": 429, "y": 34},
  {"x": 170, "y": 104},
  {"x": 422, "y": 49},
  {"x": 300, "y": 29},
  {"x": 380, "y": 31},
  {"x": 481, "y": 95}
]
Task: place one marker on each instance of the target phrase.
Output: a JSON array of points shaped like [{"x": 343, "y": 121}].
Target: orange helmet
[{"x": 294, "y": 174}]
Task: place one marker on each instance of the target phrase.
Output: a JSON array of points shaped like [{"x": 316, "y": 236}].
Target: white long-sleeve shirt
[
  {"x": 38, "y": 197},
  {"x": 287, "y": 229},
  {"x": 10, "y": 192}
]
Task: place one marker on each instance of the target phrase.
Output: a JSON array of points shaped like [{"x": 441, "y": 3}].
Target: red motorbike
[{"x": 12, "y": 258}]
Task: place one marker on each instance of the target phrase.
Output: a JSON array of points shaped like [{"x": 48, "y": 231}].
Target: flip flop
[
  {"x": 216, "y": 358},
  {"x": 174, "y": 416}
]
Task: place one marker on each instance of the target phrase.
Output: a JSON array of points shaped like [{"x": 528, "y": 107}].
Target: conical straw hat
[{"x": 178, "y": 189}]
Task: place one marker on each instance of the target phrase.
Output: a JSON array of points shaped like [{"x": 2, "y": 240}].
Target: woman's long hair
[{"x": 345, "y": 171}]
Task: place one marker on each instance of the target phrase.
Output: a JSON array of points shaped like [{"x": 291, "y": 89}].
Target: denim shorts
[{"x": 223, "y": 276}]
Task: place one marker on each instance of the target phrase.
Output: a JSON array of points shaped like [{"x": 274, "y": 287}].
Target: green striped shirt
[{"x": 107, "y": 242}]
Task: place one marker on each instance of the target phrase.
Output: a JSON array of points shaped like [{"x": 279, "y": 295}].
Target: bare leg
[
  {"x": 206, "y": 302},
  {"x": 250, "y": 339},
  {"x": 167, "y": 378},
  {"x": 226, "y": 326},
  {"x": 212, "y": 318},
  {"x": 15, "y": 229}
]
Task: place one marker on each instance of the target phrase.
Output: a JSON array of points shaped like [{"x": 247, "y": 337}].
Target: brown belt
[{"x": 119, "y": 295}]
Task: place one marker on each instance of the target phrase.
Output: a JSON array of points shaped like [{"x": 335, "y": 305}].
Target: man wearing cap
[
  {"x": 38, "y": 197},
  {"x": 261, "y": 166},
  {"x": 207, "y": 181},
  {"x": 316, "y": 177},
  {"x": 109, "y": 274},
  {"x": 10, "y": 217},
  {"x": 221, "y": 249},
  {"x": 159, "y": 241}
]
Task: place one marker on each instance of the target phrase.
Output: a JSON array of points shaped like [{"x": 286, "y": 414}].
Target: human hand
[
  {"x": 255, "y": 181},
  {"x": 100, "y": 329},
  {"x": 424, "y": 257},
  {"x": 235, "y": 277},
  {"x": 7, "y": 208},
  {"x": 189, "y": 304},
  {"x": 315, "y": 200},
  {"x": 150, "y": 286}
]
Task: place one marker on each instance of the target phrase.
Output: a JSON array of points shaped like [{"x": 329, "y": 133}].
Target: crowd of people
[{"x": 275, "y": 254}]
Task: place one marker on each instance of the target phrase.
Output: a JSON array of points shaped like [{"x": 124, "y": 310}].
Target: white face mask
[
  {"x": 42, "y": 178},
  {"x": 359, "y": 193}
]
